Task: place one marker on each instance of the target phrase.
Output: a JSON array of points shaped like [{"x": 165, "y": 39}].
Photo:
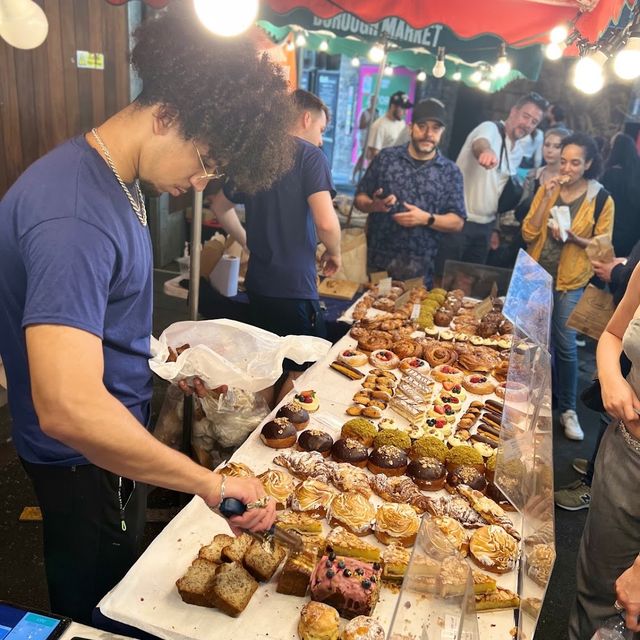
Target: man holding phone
[{"x": 414, "y": 195}]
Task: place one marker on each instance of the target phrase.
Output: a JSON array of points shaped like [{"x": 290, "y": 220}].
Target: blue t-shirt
[
  {"x": 281, "y": 235},
  {"x": 434, "y": 186},
  {"x": 73, "y": 253}
]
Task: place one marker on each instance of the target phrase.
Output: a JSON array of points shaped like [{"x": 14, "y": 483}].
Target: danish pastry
[{"x": 384, "y": 359}]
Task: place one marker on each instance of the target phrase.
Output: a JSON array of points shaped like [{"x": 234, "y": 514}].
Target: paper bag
[
  {"x": 353, "y": 246},
  {"x": 592, "y": 313},
  {"x": 600, "y": 249}
]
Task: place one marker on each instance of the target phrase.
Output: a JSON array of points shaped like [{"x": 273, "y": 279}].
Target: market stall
[{"x": 148, "y": 598}]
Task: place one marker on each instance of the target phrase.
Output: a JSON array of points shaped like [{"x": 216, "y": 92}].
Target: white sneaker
[{"x": 572, "y": 429}]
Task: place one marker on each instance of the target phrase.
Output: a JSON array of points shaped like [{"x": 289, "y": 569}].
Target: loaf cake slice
[
  {"x": 194, "y": 584},
  {"x": 234, "y": 552},
  {"x": 213, "y": 551},
  {"x": 231, "y": 588},
  {"x": 262, "y": 563}
]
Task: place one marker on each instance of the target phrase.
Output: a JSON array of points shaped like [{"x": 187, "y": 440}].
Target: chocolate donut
[
  {"x": 278, "y": 433},
  {"x": 349, "y": 450},
  {"x": 295, "y": 413},
  {"x": 388, "y": 460},
  {"x": 315, "y": 440},
  {"x": 467, "y": 475},
  {"x": 428, "y": 473}
]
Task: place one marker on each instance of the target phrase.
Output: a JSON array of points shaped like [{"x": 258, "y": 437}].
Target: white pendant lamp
[{"x": 23, "y": 24}]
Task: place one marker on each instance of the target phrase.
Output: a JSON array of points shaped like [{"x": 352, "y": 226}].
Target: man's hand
[
  {"x": 380, "y": 204},
  {"x": 628, "y": 594},
  {"x": 488, "y": 160},
  {"x": 199, "y": 389},
  {"x": 603, "y": 269},
  {"x": 330, "y": 263},
  {"x": 494, "y": 240},
  {"x": 412, "y": 217}
]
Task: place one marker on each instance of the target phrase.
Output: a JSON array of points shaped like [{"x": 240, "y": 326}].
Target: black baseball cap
[
  {"x": 430, "y": 109},
  {"x": 401, "y": 99}
]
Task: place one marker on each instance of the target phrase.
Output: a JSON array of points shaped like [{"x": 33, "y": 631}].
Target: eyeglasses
[{"x": 206, "y": 174}]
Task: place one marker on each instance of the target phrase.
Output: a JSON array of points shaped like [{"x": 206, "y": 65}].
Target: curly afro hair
[{"x": 224, "y": 93}]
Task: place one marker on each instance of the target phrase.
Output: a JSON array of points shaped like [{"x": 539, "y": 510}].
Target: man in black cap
[
  {"x": 386, "y": 129},
  {"x": 414, "y": 195}
]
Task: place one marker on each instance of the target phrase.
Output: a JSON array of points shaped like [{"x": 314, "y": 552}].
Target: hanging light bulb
[
  {"x": 476, "y": 76},
  {"x": 376, "y": 53},
  {"x": 290, "y": 46},
  {"x": 588, "y": 76},
  {"x": 226, "y": 19},
  {"x": 388, "y": 70},
  {"x": 439, "y": 68},
  {"x": 502, "y": 68},
  {"x": 323, "y": 46},
  {"x": 627, "y": 62},
  {"x": 457, "y": 76},
  {"x": 485, "y": 84},
  {"x": 554, "y": 51},
  {"x": 421, "y": 77},
  {"x": 355, "y": 61},
  {"x": 301, "y": 41},
  {"x": 558, "y": 34}
]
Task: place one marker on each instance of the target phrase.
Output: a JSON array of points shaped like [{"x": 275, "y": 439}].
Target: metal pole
[{"x": 196, "y": 240}]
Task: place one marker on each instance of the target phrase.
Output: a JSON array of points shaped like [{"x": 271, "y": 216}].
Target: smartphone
[{"x": 17, "y": 622}]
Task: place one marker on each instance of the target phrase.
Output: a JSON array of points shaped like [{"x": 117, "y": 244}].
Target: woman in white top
[{"x": 608, "y": 569}]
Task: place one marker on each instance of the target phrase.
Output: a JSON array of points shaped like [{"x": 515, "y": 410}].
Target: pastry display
[
  {"x": 444, "y": 372},
  {"x": 237, "y": 470},
  {"x": 350, "y": 585},
  {"x": 351, "y": 451},
  {"x": 413, "y": 411},
  {"x": 262, "y": 562},
  {"x": 395, "y": 560},
  {"x": 396, "y": 438},
  {"x": 308, "y": 399},
  {"x": 400, "y": 489},
  {"x": 498, "y": 599},
  {"x": 516, "y": 391},
  {"x": 464, "y": 456},
  {"x": 279, "y": 485},
  {"x": 313, "y": 498},
  {"x": 352, "y": 511},
  {"x": 318, "y": 622},
  {"x": 406, "y": 349},
  {"x": 296, "y": 573},
  {"x": 363, "y": 628},
  {"x": 488, "y": 509},
  {"x": 353, "y": 357},
  {"x": 389, "y": 460},
  {"x": 438, "y": 354},
  {"x": 295, "y": 413},
  {"x": 494, "y": 549},
  {"x": 397, "y": 523},
  {"x": 448, "y": 400},
  {"x": 429, "y": 474},
  {"x": 360, "y": 429},
  {"x": 300, "y": 523},
  {"x": 452, "y": 577},
  {"x": 457, "y": 507},
  {"x": 304, "y": 464},
  {"x": 418, "y": 364},
  {"x": 478, "y": 384},
  {"x": 347, "y": 370},
  {"x": 455, "y": 537},
  {"x": 540, "y": 563},
  {"x": 315, "y": 440},
  {"x": 346, "y": 477},
  {"x": 384, "y": 359},
  {"x": 428, "y": 447},
  {"x": 344, "y": 543},
  {"x": 279, "y": 433},
  {"x": 482, "y": 583},
  {"x": 467, "y": 475}
]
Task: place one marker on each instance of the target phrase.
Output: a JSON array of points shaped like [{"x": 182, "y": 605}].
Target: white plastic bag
[{"x": 229, "y": 352}]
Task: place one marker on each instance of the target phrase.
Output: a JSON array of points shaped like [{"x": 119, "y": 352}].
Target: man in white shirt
[
  {"x": 486, "y": 168},
  {"x": 386, "y": 129}
]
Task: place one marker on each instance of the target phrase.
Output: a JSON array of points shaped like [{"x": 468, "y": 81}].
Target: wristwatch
[{"x": 431, "y": 220}]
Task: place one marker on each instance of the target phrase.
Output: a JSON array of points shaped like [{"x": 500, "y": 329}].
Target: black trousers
[
  {"x": 470, "y": 245},
  {"x": 89, "y": 542}
]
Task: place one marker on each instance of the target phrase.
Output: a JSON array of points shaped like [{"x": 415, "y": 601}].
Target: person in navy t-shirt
[
  {"x": 76, "y": 295},
  {"x": 283, "y": 225}
]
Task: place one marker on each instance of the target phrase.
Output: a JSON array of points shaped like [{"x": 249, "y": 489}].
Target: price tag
[
  {"x": 415, "y": 312},
  {"x": 413, "y": 283},
  {"x": 384, "y": 287},
  {"x": 376, "y": 276},
  {"x": 403, "y": 299},
  {"x": 483, "y": 308}
]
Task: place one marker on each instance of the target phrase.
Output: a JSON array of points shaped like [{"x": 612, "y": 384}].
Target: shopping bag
[{"x": 592, "y": 313}]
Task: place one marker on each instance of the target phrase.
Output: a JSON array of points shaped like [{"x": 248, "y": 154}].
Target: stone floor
[{"x": 21, "y": 566}]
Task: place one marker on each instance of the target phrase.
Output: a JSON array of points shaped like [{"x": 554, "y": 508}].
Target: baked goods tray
[{"x": 147, "y": 598}]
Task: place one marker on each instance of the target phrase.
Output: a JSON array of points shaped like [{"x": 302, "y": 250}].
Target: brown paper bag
[
  {"x": 592, "y": 313},
  {"x": 600, "y": 249},
  {"x": 353, "y": 246}
]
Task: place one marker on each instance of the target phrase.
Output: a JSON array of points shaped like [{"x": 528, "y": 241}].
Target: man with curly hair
[
  {"x": 283, "y": 225},
  {"x": 76, "y": 295}
]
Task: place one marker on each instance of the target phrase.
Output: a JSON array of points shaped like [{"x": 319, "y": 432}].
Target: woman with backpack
[{"x": 561, "y": 252}]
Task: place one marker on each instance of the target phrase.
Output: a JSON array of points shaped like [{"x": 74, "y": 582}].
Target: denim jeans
[{"x": 563, "y": 341}]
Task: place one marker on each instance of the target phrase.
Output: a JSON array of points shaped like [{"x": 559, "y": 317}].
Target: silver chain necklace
[{"x": 138, "y": 207}]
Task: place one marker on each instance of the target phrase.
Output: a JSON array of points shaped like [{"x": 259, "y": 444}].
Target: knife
[{"x": 231, "y": 507}]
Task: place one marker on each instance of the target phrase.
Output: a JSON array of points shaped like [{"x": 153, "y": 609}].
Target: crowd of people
[{"x": 76, "y": 268}]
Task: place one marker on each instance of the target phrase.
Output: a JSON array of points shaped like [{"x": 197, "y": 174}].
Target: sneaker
[
  {"x": 572, "y": 429},
  {"x": 581, "y": 342},
  {"x": 574, "y": 496},
  {"x": 581, "y": 465}
]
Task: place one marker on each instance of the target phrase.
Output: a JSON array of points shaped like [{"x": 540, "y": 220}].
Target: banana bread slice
[
  {"x": 193, "y": 585},
  {"x": 231, "y": 588},
  {"x": 262, "y": 562},
  {"x": 213, "y": 551},
  {"x": 234, "y": 552}
]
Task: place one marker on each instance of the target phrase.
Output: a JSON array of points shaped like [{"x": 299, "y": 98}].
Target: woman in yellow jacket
[{"x": 567, "y": 262}]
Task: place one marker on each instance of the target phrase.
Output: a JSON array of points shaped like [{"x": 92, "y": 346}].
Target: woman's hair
[
  {"x": 591, "y": 152},
  {"x": 623, "y": 153},
  {"x": 560, "y": 132},
  {"x": 224, "y": 93}
]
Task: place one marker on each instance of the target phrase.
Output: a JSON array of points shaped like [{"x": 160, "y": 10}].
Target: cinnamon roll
[
  {"x": 438, "y": 353},
  {"x": 406, "y": 349}
]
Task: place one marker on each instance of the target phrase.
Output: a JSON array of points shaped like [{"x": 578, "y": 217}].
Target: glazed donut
[
  {"x": 374, "y": 341},
  {"x": 516, "y": 391},
  {"x": 478, "y": 384},
  {"x": 414, "y": 363},
  {"x": 353, "y": 357},
  {"x": 384, "y": 359},
  {"x": 407, "y": 348},
  {"x": 446, "y": 372},
  {"x": 438, "y": 353}
]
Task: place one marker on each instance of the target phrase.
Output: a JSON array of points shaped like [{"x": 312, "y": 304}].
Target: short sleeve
[
  {"x": 69, "y": 267},
  {"x": 489, "y": 131},
  {"x": 376, "y": 136},
  {"x": 231, "y": 194},
  {"x": 370, "y": 180},
  {"x": 316, "y": 174},
  {"x": 454, "y": 202}
]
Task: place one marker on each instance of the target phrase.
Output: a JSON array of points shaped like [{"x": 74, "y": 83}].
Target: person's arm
[
  {"x": 375, "y": 203},
  {"x": 484, "y": 154},
  {"x": 604, "y": 225},
  {"x": 414, "y": 217},
  {"x": 228, "y": 218},
  {"x": 73, "y": 406},
  {"x": 538, "y": 213},
  {"x": 628, "y": 594},
  {"x": 328, "y": 230},
  {"x": 618, "y": 397}
]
